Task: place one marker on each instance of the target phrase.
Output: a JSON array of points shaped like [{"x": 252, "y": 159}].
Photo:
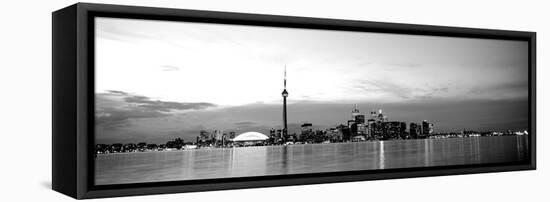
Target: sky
[{"x": 158, "y": 80}]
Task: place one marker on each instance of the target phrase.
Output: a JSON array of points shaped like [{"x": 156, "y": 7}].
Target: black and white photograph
[
  {"x": 275, "y": 100},
  {"x": 178, "y": 101}
]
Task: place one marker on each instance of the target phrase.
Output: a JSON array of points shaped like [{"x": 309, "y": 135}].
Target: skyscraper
[
  {"x": 381, "y": 116},
  {"x": 427, "y": 128},
  {"x": 415, "y": 131},
  {"x": 354, "y": 112},
  {"x": 284, "y": 94},
  {"x": 357, "y": 116}
]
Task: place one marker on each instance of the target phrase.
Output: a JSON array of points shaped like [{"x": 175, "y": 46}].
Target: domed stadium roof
[{"x": 251, "y": 136}]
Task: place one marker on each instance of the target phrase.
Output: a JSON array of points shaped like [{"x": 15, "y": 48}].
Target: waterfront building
[
  {"x": 334, "y": 134},
  {"x": 357, "y": 124},
  {"x": 379, "y": 130},
  {"x": 350, "y": 123},
  {"x": 250, "y": 139},
  {"x": 360, "y": 118},
  {"x": 361, "y": 129},
  {"x": 370, "y": 128},
  {"x": 152, "y": 147},
  {"x": 204, "y": 135},
  {"x": 101, "y": 148},
  {"x": 224, "y": 139},
  {"x": 381, "y": 116},
  {"x": 278, "y": 136},
  {"x": 130, "y": 147},
  {"x": 414, "y": 131},
  {"x": 357, "y": 116},
  {"x": 404, "y": 133},
  {"x": 175, "y": 144},
  {"x": 307, "y": 127},
  {"x": 353, "y": 127},
  {"x": 231, "y": 135},
  {"x": 393, "y": 130},
  {"x": 218, "y": 135},
  {"x": 373, "y": 115},
  {"x": 142, "y": 146},
  {"x": 345, "y": 131},
  {"x": 116, "y": 148},
  {"x": 354, "y": 112},
  {"x": 358, "y": 138},
  {"x": 427, "y": 128}
]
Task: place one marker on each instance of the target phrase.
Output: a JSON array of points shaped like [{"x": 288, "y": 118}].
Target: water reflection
[
  {"x": 381, "y": 159},
  {"x": 278, "y": 160}
]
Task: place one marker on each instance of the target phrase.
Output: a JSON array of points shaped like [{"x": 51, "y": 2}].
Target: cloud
[
  {"x": 115, "y": 108},
  {"x": 116, "y": 92},
  {"x": 432, "y": 93},
  {"x": 112, "y": 118},
  {"x": 507, "y": 90},
  {"x": 163, "y": 106},
  {"x": 169, "y": 68},
  {"x": 510, "y": 87},
  {"x": 385, "y": 86},
  {"x": 244, "y": 123}
]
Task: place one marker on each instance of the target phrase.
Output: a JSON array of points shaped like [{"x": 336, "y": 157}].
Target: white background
[{"x": 25, "y": 86}]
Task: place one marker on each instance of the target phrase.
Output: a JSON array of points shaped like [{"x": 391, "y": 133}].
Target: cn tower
[{"x": 285, "y": 94}]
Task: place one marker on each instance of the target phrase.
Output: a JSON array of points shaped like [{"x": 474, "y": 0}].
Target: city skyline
[{"x": 484, "y": 89}]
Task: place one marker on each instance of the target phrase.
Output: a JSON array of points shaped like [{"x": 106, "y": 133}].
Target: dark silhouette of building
[
  {"x": 232, "y": 134},
  {"x": 101, "y": 148},
  {"x": 370, "y": 125},
  {"x": 279, "y": 135},
  {"x": 152, "y": 147},
  {"x": 354, "y": 112},
  {"x": 130, "y": 147},
  {"x": 306, "y": 132},
  {"x": 360, "y": 118},
  {"x": 357, "y": 123},
  {"x": 352, "y": 127},
  {"x": 404, "y": 133},
  {"x": 204, "y": 136},
  {"x": 427, "y": 128},
  {"x": 394, "y": 129},
  {"x": 344, "y": 131},
  {"x": 307, "y": 127},
  {"x": 142, "y": 146},
  {"x": 415, "y": 131}
]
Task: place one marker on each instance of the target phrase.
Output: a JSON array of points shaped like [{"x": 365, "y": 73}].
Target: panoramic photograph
[{"x": 178, "y": 101}]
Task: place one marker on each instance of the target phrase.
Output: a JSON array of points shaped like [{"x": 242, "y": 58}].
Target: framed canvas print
[{"x": 156, "y": 100}]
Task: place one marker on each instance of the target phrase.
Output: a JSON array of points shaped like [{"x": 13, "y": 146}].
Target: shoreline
[{"x": 292, "y": 145}]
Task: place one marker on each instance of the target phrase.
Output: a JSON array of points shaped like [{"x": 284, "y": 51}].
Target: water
[{"x": 141, "y": 167}]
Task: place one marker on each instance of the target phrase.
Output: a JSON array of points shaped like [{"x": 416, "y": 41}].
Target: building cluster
[
  {"x": 176, "y": 144},
  {"x": 376, "y": 126},
  {"x": 216, "y": 138}
]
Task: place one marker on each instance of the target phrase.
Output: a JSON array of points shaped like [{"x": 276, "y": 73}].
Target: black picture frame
[{"x": 73, "y": 99}]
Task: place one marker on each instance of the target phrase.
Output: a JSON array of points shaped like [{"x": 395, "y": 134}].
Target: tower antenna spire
[{"x": 285, "y": 78}]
